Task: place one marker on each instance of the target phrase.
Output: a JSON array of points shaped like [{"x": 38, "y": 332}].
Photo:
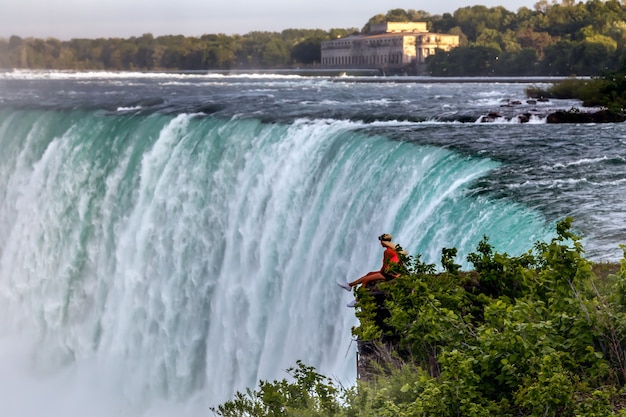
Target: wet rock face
[
  {"x": 490, "y": 117},
  {"x": 534, "y": 108},
  {"x": 571, "y": 116},
  {"x": 559, "y": 116}
]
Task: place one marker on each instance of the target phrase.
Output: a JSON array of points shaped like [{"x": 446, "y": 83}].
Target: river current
[{"x": 168, "y": 239}]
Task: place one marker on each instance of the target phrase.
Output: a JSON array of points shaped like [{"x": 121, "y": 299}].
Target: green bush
[
  {"x": 538, "y": 334},
  {"x": 606, "y": 91},
  {"x": 311, "y": 394}
]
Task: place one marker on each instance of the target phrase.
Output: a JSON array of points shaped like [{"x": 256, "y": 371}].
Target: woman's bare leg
[{"x": 367, "y": 278}]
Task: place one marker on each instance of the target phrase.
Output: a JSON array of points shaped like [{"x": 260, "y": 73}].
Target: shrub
[{"x": 532, "y": 335}]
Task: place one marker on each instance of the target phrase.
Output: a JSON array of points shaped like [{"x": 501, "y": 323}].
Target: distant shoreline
[
  {"x": 375, "y": 76},
  {"x": 363, "y": 75},
  {"x": 357, "y": 75}
]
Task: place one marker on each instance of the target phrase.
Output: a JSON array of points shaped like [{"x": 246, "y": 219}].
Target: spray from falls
[{"x": 161, "y": 263}]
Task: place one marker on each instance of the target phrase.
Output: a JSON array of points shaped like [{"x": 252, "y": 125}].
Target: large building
[{"x": 389, "y": 47}]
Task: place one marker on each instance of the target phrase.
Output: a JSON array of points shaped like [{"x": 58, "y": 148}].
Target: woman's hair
[{"x": 385, "y": 237}]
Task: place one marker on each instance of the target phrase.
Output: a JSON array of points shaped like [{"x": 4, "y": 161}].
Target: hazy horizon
[{"x": 64, "y": 20}]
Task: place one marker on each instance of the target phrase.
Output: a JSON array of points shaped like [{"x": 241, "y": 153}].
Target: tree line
[
  {"x": 559, "y": 39},
  {"x": 172, "y": 52},
  {"x": 553, "y": 39}
]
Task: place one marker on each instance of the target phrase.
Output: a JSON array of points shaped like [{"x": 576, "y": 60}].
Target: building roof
[
  {"x": 387, "y": 35},
  {"x": 398, "y": 27}
]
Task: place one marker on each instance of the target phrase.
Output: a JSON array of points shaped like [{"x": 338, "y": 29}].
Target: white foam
[
  {"x": 124, "y": 75},
  {"x": 155, "y": 272}
]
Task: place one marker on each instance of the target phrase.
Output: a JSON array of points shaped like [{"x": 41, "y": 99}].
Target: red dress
[{"x": 389, "y": 257}]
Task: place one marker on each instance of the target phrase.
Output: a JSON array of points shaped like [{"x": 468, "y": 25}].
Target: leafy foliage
[
  {"x": 311, "y": 394},
  {"x": 210, "y": 51},
  {"x": 538, "y": 334},
  {"x": 552, "y": 39},
  {"x": 608, "y": 90}
]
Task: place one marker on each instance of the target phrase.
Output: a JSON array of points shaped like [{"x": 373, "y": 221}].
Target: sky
[{"x": 67, "y": 19}]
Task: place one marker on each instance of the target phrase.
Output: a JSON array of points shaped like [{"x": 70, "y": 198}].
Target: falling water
[{"x": 155, "y": 264}]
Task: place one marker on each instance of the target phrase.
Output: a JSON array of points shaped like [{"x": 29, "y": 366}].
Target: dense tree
[
  {"x": 528, "y": 38},
  {"x": 490, "y": 38},
  {"x": 593, "y": 55},
  {"x": 397, "y": 15},
  {"x": 374, "y": 20},
  {"x": 275, "y": 53},
  {"x": 221, "y": 50},
  {"x": 418, "y": 15},
  {"x": 523, "y": 63},
  {"x": 444, "y": 24},
  {"x": 567, "y": 38},
  {"x": 465, "y": 61},
  {"x": 463, "y": 41},
  {"x": 307, "y": 52},
  {"x": 557, "y": 60},
  {"x": 475, "y": 19}
]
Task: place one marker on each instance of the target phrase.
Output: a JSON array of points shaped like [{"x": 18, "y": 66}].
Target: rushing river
[{"x": 168, "y": 239}]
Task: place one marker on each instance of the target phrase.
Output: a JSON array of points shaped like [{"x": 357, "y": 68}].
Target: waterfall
[{"x": 155, "y": 264}]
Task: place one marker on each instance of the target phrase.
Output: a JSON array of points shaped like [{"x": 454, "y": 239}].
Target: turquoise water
[
  {"x": 156, "y": 263},
  {"x": 168, "y": 239}
]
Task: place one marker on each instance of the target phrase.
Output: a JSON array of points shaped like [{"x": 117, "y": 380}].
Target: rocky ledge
[
  {"x": 573, "y": 115},
  {"x": 577, "y": 116}
]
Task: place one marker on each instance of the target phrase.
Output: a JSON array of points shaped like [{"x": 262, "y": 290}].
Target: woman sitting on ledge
[{"x": 390, "y": 258}]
